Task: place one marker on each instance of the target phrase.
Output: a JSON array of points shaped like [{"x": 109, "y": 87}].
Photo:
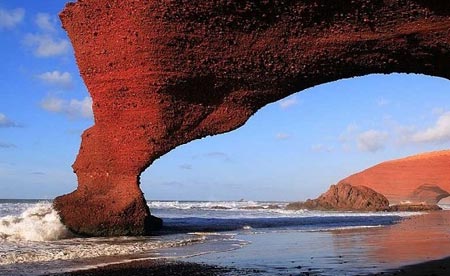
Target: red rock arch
[{"x": 162, "y": 73}]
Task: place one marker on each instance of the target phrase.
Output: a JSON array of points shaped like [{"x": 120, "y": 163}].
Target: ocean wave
[
  {"x": 247, "y": 209},
  {"x": 198, "y": 224},
  {"x": 211, "y": 205},
  {"x": 37, "y": 223}
]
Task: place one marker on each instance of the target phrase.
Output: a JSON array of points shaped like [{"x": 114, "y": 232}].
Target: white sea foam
[
  {"x": 37, "y": 235},
  {"x": 83, "y": 248},
  {"x": 248, "y": 209},
  {"x": 38, "y": 223},
  {"x": 212, "y": 205}
]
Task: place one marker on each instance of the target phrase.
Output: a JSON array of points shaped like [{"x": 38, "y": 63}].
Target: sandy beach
[
  {"x": 170, "y": 268},
  {"x": 156, "y": 268},
  {"x": 201, "y": 239},
  {"x": 419, "y": 245},
  {"x": 431, "y": 268}
]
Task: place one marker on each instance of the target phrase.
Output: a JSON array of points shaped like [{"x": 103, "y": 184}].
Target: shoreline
[
  {"x": 174, "y": 268},
  {"x": 382, "y": 245},
  {"x": 160, "y": 267},
  {"x": 439, "y": 267},
  {"x": 423, "y": 260}
]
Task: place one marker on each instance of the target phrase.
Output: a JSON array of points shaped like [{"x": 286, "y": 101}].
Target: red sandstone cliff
[
  {"x": 424, "y": 177},
  {"x": 163, "y": 73}
]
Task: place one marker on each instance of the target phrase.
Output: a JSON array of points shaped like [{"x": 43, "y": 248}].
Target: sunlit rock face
[
  {"x": 163, "y": 73},
  {"x": 423, "y": 178},
  {"x": 345, "y": 197},
  {"x": 429, "y": 194}
]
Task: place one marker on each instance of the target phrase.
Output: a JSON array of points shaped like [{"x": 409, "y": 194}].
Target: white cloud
[
  {"x": 382, "y": 102},
  {"x": 348, "y": 133},
  {"x": 347, "y": 137},
  {"x": 216, "y": 154},
  {"x": 73, "y": 108},
  {"x": 403, "y": 134},
  {"x": 213, "y": 155},
  {"x": 186, "y": 166},
  {"x": 282, "y": 136},
  {"x": 38, "y": 173},
  {"x": 321, "y": 148},
  {"x": 6, "y": 122},
  {"x": 45, "y": 22},
  {"x": 289, "y": 102},
  {"x": 63, "y": 80},
  {"x": 371, "y": 140},
  {"x": 45, "y": 45},
  {"x": 439, "y": 133},
  {"x": 438, "y": 111},
  {"x": 11, "y": 18}
]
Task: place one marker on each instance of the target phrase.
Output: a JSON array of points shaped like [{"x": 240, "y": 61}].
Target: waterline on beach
[{"x": 192, "y": 230}]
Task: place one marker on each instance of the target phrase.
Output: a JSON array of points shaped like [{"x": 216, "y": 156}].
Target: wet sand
[
  {"x": 419, "y": 245},
  {"x": 158, "y": 268},
  {"x": 161, "y": 268},
  {"x": 431, "y": 268}
]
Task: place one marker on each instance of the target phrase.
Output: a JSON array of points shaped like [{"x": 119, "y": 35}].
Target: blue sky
[{"x": 290, "y": 150}]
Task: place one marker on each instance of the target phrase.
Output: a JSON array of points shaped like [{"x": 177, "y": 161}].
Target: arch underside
[{"x": 163, "y": 73}]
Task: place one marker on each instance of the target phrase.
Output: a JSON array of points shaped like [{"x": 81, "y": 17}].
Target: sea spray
[
  {"x": 37, "y": 235},
  {"x": 38, "y": 223},
  {"x": 85, "y": 248}
]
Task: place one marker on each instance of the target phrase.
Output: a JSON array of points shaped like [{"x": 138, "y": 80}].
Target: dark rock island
[{"x": 163, "y": 73}]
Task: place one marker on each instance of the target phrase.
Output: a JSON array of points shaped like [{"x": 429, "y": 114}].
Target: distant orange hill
[{"x": 422, "y": 177}]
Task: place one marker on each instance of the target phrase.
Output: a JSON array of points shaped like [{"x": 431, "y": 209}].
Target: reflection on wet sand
[
  {"x": 416, "y": 239},
  {"x": 350, "y": 251}
]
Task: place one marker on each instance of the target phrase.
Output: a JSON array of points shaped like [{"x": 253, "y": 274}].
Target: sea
[{"x": 261, "y": 236}]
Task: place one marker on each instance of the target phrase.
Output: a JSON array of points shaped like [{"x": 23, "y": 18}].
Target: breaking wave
[
  {"x": 37, "y": 223},
  {"x": 216, "y": 205}
]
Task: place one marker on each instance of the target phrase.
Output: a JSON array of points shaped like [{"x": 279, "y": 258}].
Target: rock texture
[
  {"x": 162, "y": 73},
  {"x": 429, "y": 194},
  {"x": 414, "y": 208},
  {"x": 419, "y": 178},
  {"x": 345, "y": 197}
]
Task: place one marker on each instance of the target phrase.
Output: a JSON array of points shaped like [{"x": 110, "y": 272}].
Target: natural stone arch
[{"x": 163, "y": 72}]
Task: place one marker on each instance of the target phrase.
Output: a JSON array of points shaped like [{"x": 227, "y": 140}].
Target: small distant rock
[
  {"x": 252, "y": 207},
  {"x": 218, "y": 207},
  {"x": 414, "y": 207},
  {"x": 259, "y": 207}
]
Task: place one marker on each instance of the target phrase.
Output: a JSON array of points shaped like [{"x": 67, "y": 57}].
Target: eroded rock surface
[
  {"x": 409, "y": 207},
  {"x": 162, "y": 73},
  {"x": 345, "y": 197},
  {"x": 403, "y": 179},
  {"x": 429, "y": 194}
]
